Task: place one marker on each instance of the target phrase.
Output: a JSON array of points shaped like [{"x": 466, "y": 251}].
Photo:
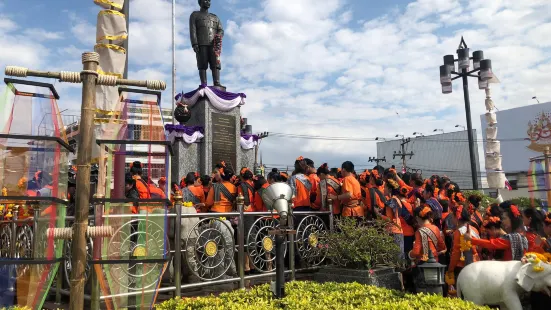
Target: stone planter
[{"x": 386, "y": 277}]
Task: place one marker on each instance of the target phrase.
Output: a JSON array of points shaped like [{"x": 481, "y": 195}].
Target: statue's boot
[
  {"x": 203, "y": 76},
  {"x": 216, "y": 78}
]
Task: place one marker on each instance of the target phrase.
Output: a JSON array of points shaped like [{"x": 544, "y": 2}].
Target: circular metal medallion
[
  {"x": 309, "y": 242},
  {"x": 267, "y": 243},
  {"x": 211, "y": 249},
  {"x": 260, "y": 245}
]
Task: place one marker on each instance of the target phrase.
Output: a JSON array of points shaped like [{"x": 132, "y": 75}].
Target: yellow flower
[{"x": 222, "y": 218}]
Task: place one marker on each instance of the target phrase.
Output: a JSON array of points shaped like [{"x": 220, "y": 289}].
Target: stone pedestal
[{"x": 187, "y": 158}]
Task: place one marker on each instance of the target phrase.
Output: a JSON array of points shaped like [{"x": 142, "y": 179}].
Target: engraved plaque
[{"x": 224, "y": 140}]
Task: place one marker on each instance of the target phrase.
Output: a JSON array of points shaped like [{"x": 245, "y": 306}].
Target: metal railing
[{"x": 257, "y": 253}]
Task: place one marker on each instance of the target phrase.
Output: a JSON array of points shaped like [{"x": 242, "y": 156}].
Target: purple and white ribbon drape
[
  {"x": 220, "y": 100},
  {"x": 190, "y": 134},
  {"x": 248, "y": 141}
]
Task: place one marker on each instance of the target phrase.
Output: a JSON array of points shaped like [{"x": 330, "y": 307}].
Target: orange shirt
[
  {"x": 198, "y": 192},
  {"x": 395, "y": 226},
  {"x": 258, "y": 205},
  {"x": 496, "y": 244},
  {"x": 406, "y": 228},
  {"x": 330, "y": 191},
  {"x": 532, "y": 247},
  {"x": 223, "y": 205},
  {"x": 455, "y": 257},
  {"x": 155, "y": 191},
  {"x": 301, "y": 192},
  {"x": 352, "y": 207},
  {"x": 417, "y": 252},
  {"x": 249, "y": 194},
  {"x": 143, "y": 192}
]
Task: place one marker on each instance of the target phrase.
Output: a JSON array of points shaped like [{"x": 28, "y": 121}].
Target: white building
[{"x": 440, "y": 154}]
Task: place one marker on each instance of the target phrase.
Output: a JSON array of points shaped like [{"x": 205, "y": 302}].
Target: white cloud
[
  {"x": 42, "y": 35},
  {"x": 344, "y": 81}
]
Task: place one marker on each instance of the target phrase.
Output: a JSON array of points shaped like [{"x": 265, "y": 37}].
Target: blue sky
[{"x": 315, "y": 67}]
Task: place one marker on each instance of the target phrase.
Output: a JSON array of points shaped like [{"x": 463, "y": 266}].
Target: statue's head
[{"x": 204, "y": 4}]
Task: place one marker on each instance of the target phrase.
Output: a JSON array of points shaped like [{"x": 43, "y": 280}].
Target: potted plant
[{"x": 362, "y": 252}]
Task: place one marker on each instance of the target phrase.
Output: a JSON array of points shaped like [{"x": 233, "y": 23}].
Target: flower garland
[
  {"x": 537, "y": 260},
  {"x": 464, "y": 246}
]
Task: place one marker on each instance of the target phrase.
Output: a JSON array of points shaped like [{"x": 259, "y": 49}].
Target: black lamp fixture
[
  {"x": 485, "y": 75},
  {"x": 433, "y": 275}
]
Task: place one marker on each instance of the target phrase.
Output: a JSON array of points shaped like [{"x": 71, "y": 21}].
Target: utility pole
[
  {"x": 403, "y": 153},
  {"x": 377, "y": 160}
]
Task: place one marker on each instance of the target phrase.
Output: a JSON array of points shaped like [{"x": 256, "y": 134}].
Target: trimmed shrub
[
  {"x": 362, "y": 245},
  {"x": 312, "y": 295},
  {"x": 486, "y": 199}
]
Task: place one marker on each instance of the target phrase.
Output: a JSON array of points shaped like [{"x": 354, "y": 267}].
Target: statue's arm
[
  {"x": 193, "y": 29},
  {"x": 220, "y": 30}
]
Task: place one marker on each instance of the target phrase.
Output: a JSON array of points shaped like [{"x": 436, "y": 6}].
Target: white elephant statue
[{"x": 500, "y": 283}]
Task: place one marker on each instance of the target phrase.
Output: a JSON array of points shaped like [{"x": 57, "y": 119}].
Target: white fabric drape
[
  {"x": 493, "y": 147},
  {"x": 111, "y": 27},
  {"x": 493, "y": 162},
  {"x": 112, "y": 59},
  {"x": 187, "y": 138},
  {"x": 491, "y": 133},
  {"x": 217, "y": 102},
  {"x": 491, "y": 118},
  {"x": 496, "y": 179},
  {"x": 247, "y": 144}
]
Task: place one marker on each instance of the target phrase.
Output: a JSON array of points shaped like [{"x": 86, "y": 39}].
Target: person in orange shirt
[
  {"x": 162, "y": 184},
  {"x": 427, "y": 237},
  {"x": 547, "y": 230},
  {"x": 351, "y": 193},
  {"x": 246, "y": 188},
  {"x": 141, "y": 186},
  {"x": 391, "y": 213},
  {"x": 328, "y": 185},
  {"x": 156, "y": 193},
  {"x": 221, "y": 197},
  {"x": 533, "y": 221},
  {"x": 364, "y": 186},
  {"x": 476, "y": 217},
  {"x": 514, "y": 244},
  {"x": 416, "y": 194},
  {"x": 406, "y": 219},
  {"x": 311, "y": 173},
  {"x": 206, "y": 183},
  {"x": 375, "y": 198},
  {"x": 460, "y": 255},
  {"x": 301, "y": 186},
  {"x": 193, "y": 192}
]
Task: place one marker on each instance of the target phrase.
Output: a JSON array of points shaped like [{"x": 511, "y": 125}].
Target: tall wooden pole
[{"x": 89, "y": 76}]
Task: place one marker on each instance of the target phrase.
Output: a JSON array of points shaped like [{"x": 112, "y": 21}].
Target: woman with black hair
[
  {"x": 350, "y": 193},
  {"x": 328, "y": 185},
  {"x": 314, "y": 179},
  {"x": 433, "y": 203},
  {"x": 476, "y": 217},
  {"x": 301, "y": 186},
  {"x": 427, "y": 237},
  {"x": 375, "y": 197},
  {"x": 533, "y": 221},
  {"x": 206, "y": 183},
  {"x": 462, "y": 254},
  {"x": 246, "y": 187},
  {"x": 193, "y": 192},
  {"x": 514, "y": 243},
  {"x": 415, "y": 196},
  {"x": 221, "y": 197}
]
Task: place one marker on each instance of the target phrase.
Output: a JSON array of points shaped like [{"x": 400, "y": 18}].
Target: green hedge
[{"x": 312, "y": 295}]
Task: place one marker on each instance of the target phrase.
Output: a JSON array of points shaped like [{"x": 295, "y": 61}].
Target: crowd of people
[{"x": 426, "y": 217}]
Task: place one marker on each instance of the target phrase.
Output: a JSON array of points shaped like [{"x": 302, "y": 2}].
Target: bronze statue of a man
[{"x": 204, "y": 29}]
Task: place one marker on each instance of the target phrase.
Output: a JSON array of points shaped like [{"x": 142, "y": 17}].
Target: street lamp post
[
  {"x": 441, "y": 130},
  {"x": 481, "y": 65},
  {"x": 418, "y": 134}
]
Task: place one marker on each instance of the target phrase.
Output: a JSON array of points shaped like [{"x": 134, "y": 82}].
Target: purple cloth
[
  {"x": 188, "y": 130},
  {"x": 221, "y": 94},
  {"x": 247, "y": 137}
]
